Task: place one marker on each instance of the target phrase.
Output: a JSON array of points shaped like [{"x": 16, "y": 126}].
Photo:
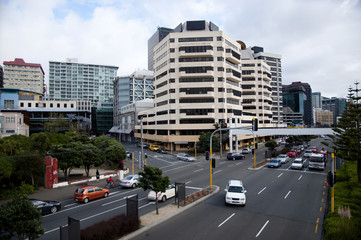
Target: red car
[
  {"x": 292, "y": 153},
  {"x": 314, "y": 149},
  {"x": 90, "y": 192}
]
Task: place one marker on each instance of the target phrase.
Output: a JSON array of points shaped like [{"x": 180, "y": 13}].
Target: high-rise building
[
  {"x": 71, "y": 80},
  {"x": 198, "y": 84},
  {"x": 335, "y": 105},
  {"x": 25, "y": 76},
  {"x": 298, "y": 96},
  {"x": 323, "y": 117},
  {"x": 154, "y": 40},
  {"x": 274, "y": 61},
  {"x": 316, "y": 100},
  {"x": 1, "y": 77}
]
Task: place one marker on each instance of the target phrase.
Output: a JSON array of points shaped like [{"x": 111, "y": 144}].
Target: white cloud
[{"x": 318, "y": 39}]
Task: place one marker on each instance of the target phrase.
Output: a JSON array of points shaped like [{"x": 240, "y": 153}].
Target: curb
[{"x": 146, "y": 228}]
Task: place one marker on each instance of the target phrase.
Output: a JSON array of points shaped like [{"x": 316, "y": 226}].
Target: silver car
[
  {"x": 284, "y": 158},
  {"x": 130, "y": 181},
  {"x": 185, "y": 157}
]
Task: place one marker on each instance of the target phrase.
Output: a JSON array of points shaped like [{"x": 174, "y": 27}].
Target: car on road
[
  {"x": 274, "y": 163},
  {"x": 163, "y": 196},
  {"x": 292, "y": 153},
  {"x": 128, "y": 154},
  {"x": 160, "y": 150},
  {"x": 314, "y": 149},
  {"x": 246, "y": 150},
  {"x": 154, "y": 147},
  {"x": 307, "y": 153},
  {"x": 298, "y": 163},
  {"x": 130, "y": 181},
  {"x": 235, "y": 156},
  {"x": 185, "y": 157},
  {"x": 235, "y": 193},
  {"x": 86, "y": 193},
  {"x": 146, "y": 146},
  {"x": 46, "y": 207},
  {"x": 284, "y": 158}
]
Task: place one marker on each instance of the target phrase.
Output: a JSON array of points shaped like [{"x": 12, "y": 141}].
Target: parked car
[
  {"x": 235, "y": 193},
  {"x": 163, "y": 196},
  {"x": 298, "y": 163},
  {"x": 146, "y": 146},
  {"x": 314, "y": 149},
  {"x": 274, "y": 163},
  {"x": 130, "y": 181},
  {"x": 301, "y": 147},
  {"x": 160, "y": 150},
  {"x": 235, "y": 156},
  {"x": 185, "y": 157},
  {"x": 128, "y": 154},
  {"x": 246, "y": 150},
  {"x": 298, "y": 150},
  {"x": 46, "y": 207},
  {"x": 284, "y": 158},
  {"x": 90, "y": 192},
  {"x": 292, "y": 153},
  {"x": 153, "y": 147},
  {"x": 307, "y": 153}
]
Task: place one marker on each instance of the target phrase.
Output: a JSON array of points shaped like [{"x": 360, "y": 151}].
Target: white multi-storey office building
[
  {"x": 198, "y": 84},
  {"x": 71, "y": 80},
  {"x": 22, "y": 75}
]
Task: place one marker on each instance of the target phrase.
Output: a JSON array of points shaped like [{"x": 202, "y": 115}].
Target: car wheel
[
  {"x": 134, "y": 185},
  {"x": 105, "y": 194},
  {"x": 86, "y": 200},
  {"x": 53, "y": 210},
  {"x": 164, "y": 198}
]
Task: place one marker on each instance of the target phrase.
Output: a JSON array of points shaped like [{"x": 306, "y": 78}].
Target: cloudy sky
[{"x": 319, "y": 40}]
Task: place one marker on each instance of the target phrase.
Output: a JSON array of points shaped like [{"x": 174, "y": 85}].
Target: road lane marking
[
  {"x": 226, "y": 220},
  {"x": 196, "y": 188},
  {"x": 176, "y": 168},
  {"x": 316, "y": 228},
  {"x": 188, "y": 182},
  {"x": 198, "y": 170},
  {"x": 287, "y": 194},
  {"x": 323, "y": 200},
  {"x": 71, "y": 204},
  {"x": 262, "y": 228},
  {"x": 262, "y": 190},
  {"x": 217, "y": 171},
  {"x": 320, "y": 209},
  {"x": 299, "y": 178},
  {"x": 280, "y": 175},
  {"x": 150, "y": 203},
  {"x": 238, "y": 163},
  {"x": 222, "y": 163}
]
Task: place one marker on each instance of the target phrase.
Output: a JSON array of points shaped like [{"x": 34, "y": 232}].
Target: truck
[{"x": 317, "y": 161}]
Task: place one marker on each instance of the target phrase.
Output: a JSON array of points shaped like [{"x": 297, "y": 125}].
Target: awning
[
  {"x": 113, "y": 129},
  {"x": 117, "y": 129}
]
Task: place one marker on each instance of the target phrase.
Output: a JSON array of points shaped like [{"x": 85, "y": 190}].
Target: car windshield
[
  {"x": 274, "y": 161},
  {"x": 235, "y": 189},
  {"x": 297, "y": 161},
  {"x": 282, "y": 156},
  {"x": 128, "y": 177},
  {"x": 316, "y": 159},
  {"x": 79, "y": 190}
]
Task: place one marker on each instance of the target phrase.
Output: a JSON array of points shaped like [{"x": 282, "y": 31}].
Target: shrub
[{"x": 113, "y": 228}]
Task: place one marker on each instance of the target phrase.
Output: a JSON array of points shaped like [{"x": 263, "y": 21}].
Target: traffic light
[
  {"x": 330, "y": 179},
  {"x": 207, "y": 155},
  {"x": 213, "y": 163},
  {"x": 252, "y": 150},
  {"x": 256, "y": 146},
  {"x": 130, "y": 155},
  {"x": 254, "y": 124},
  {"x": 224, "y": 125}
]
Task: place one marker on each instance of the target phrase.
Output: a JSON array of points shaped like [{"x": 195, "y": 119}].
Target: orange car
[{"x": 86, "y": 193}]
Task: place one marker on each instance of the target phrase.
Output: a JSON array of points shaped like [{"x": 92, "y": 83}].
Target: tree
[
  {"x": 92, "y": 156},
  {"x": 271, "y": 145},
  {"x": 29, "y": 167},
  {"x": 348, "y": 130},
  {"x": 203, "y": 143},
  {"x": 21, "y": 219},
  {"x": 151, "y": 178}
]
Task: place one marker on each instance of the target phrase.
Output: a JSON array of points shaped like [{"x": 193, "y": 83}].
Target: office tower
[
  {"x": 274, "y": 61},
  {"x": 71, "y": 80},
  {"x": 1, "y": 77},
  {"x": 335, "y": 105},
  {"x": 316, "y": 100},
  {"x": 298, "y": 96},
  {"x": 21, "y": 75},
  {"x": 154, "y": 40}
]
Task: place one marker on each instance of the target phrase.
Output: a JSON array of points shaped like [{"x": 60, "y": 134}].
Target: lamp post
[{"x": 141, "y": 141}]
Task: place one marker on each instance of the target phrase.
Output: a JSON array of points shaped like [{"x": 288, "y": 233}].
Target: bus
[{"x": 317, "y": 161}]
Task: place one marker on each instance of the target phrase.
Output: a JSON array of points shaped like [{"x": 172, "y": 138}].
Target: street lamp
[{"x": 141, "y": 140}]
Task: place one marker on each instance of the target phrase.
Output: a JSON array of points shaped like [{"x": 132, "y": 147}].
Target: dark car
[
  {"x": 46, "y": 206},
  {"x": 160, "y": 150},
  {"x": 145, "y": 146},
  {"x": 235, "y": 156}
]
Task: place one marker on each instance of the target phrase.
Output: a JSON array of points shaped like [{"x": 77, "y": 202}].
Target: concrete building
[
  {"x": 335, "y": 105},
  {"x": 71, "y": 80},
  {"x": 316, "y": 100},
  {"x": 274, "y": 61},
  {"x": 198, "y": 84},
  {"x": 154, "y": 40},
  {"x": 1, "y": 77},
  {"x": 298, "y": 96},
  {"x": 22, "y": 75},
  {"x": 323, "y": 117}
]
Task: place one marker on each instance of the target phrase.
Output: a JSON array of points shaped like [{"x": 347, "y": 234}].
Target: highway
[{"x": 281, "y": 203}]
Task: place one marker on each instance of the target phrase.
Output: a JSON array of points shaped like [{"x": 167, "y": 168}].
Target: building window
[
  {"x": 220, "y": 49},
  {"x": 171, "y": 100},
  {"x": 171, "y": 50},
  {"x": 219, "y": 38},
  {"x": 171, "y": 40},
  {"x": 7, "y": 119},
  {"x": 21, "y": 104},
  {"x": 36, "y": 104},
  {"x": 51, "y": 105},
  {"x": 58, "y": 105},
  {"x": 220, "y": 99},
  {"x": 220, "y": 69},
  {"x": 65, "y": 105},
  {"x": 9, "y": 104},
  {"x": 72, "y": 105},
  {"x": 172, "y": 70}
]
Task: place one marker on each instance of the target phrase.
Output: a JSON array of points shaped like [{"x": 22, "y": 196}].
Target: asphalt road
[{"x": 281, "y": 203}]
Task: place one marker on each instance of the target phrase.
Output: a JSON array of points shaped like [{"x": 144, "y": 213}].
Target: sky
[{"x": 319, "y": 40}]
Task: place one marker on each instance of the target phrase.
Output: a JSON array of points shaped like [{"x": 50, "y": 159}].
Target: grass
[{"x": 347, "y": 194}]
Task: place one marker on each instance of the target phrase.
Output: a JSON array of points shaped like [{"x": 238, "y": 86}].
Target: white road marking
[
  {"x": 198, "y": 170},
  {"x": 217, "y": 171},
  {"x": 262, "y": 190},
  {"x": 262, "y": 228},
  {"x": 226, "y": 220},
  {"x": 176, "y": 168},
  {"x": 188, "y": 182},
  {"x": 150, "y": 203},
  {"x": 70, "y": 205},
  {"x": 222, "y": 163},
  {"x": 196, "y": 188},
  {"x": 287, "y": 194},
  {"x": 238, "y": 163},
  {"x": 299, "y": 178},
  {"x": 280, "y": 175}
]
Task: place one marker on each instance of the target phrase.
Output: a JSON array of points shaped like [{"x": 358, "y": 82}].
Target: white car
[
  {"x": 284, "y": 158},
  {"x": 298, "y": 163},
  {"x": 163, "y": 196},
  {"x": 246, "y": 150},
  {"x": 185, "y": 157},
  {"x": 130, "y": 181},
  {"x": 235, "y": 193},
  {"x": 307, "y": 153}
]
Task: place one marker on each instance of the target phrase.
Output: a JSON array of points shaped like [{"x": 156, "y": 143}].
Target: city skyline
[{"x": 317, "y": 40}]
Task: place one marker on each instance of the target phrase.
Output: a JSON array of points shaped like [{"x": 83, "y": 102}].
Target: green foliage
[
  {"x": 151, "y": 178},
  {"x": 203, "y": 143},
  {"x": 271, "y": 145},
  {"x": 92, "y": 156},
  {"x": 21, "y": 219}
]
